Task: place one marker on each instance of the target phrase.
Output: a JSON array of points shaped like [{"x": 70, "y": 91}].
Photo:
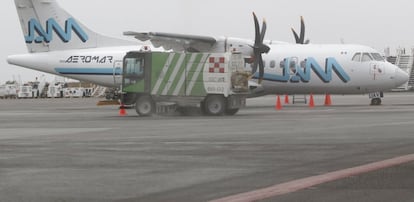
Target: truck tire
[
  {"x": 144, "y": 105},
  {"x": 214, "y": 105}
]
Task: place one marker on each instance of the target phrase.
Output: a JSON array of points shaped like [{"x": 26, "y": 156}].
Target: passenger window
[
  {"x": 303, "y": 64},
  {"x": 282, "y": 63},
  {"x": 293, "y": 62},
  {"x": 357, "y": 57},
  {"x": 272, "y": 64},
  {"x": 366, "y": 57}
]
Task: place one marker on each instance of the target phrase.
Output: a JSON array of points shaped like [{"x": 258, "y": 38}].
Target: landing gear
[
  {"x": 376, "y": 98},
  {"x": 376, "y": 101}
]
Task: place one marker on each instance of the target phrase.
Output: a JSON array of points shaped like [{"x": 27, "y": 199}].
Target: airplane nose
[{"x": 401, "y": 77}]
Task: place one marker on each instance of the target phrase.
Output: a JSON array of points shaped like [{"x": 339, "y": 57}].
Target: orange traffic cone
[
  {"x": 286, "y": 99},
  {"x": 328, "y": 101},
  {"x": 122, "y": 111},
  {"x": 278, "y": 103},
  {"x": 311, "y": 101}
]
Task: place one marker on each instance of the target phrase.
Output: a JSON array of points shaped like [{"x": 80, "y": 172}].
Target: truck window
[{"x": 134, "y": 67}]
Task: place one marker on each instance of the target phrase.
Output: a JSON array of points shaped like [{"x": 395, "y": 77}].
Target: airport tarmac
[{"x": 73, "y": 150}]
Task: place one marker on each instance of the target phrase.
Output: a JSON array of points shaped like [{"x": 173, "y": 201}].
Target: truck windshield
[{"x": 134, "y": 67}]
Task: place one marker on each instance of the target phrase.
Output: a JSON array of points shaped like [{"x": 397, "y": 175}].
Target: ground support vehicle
[{"x": 156, "y": 82}]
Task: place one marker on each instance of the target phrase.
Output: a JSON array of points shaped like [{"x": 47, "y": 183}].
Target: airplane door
[
  {"x": 117, "y": 72},
  {"x": 376, "y": 70}
]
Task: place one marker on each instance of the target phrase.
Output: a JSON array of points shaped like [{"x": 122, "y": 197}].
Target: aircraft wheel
[
  {"x": 145, "y": 105},
  {"x": 214, "y": 105},
  {"x": 376, "y": 101}
]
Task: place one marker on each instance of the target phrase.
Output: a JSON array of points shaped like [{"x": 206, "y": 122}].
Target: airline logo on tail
[{"x": 38, "y": 34}]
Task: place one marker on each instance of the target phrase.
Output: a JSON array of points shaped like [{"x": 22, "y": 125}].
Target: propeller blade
[
  {"x": 254, "y": 66},
  {"x": 300, "y": 39},
  {"x": 259, "y": 48},
  {"x": 263, "y": 33},
  {"x": 257, "y": 30},
  {"x": 261, "y": 69},
  {"x": 296, "y": 36},
  {"x": 302, "y": 30}
]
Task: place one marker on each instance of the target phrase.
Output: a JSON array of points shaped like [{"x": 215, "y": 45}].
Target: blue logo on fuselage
[
  {"x": 38, "y": 34},
  {"x": 294, "y": 72}
]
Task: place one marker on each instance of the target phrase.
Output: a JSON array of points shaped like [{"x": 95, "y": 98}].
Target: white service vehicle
[
  {"x": 2, "y": 91},
  {"x": 55, "y": 90},
  {"x": 8, "y": 91},
  {"x": 25, "y": 91},
  {"x": 74, "y": 92}
]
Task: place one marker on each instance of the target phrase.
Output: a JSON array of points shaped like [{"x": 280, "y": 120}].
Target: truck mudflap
[{"x": 236, "y": 101}]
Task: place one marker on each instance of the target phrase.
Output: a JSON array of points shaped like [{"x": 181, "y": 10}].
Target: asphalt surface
[{"x": 72, "y": 150}]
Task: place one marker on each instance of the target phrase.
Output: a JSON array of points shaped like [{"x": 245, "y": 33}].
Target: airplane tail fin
[{"x": 48, "y": 27}]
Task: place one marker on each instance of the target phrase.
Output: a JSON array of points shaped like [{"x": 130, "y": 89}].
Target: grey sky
[{"x": 370, "y": 22}]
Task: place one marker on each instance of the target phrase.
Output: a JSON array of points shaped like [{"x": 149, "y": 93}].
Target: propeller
[
  {"x": 259, "y": 48},
  {"x": 300, "y": 39}
]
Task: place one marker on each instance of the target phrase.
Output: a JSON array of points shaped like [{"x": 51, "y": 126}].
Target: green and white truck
[{"x": 217, "y": 83}]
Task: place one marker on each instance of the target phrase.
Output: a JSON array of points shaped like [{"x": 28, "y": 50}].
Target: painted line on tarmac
[{"x": 300, "y": 184}]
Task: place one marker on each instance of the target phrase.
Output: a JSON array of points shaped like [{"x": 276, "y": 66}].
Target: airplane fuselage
[
  {"x": 289, "y": 68},
  {"x": 102, "y": 66}
]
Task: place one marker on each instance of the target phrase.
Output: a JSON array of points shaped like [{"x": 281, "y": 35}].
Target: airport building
[{"x": 405, "y": 60}]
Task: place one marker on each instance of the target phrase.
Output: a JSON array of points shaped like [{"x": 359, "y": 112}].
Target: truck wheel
[
  {"x": 231, "y": 112},
  {"x": 144, "y": 106},
  {"x": 214, "y": 105}
]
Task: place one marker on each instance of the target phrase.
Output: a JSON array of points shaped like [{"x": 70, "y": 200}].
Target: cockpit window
[
  {"x": 377, "y": 57},
  {"x": 357, "y": 57},
  {"x": 366, "y": 57}
]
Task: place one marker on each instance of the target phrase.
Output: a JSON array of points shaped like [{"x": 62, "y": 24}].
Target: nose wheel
[
  {"x": 376, "y": 101},
  {"x": 376, "y": 98}
]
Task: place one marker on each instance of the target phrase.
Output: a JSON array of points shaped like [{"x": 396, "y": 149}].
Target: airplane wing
[{"x": 176, "y": 42}]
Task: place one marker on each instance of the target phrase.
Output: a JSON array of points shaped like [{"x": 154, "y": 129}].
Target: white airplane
[{"x": 61, "y": 45}]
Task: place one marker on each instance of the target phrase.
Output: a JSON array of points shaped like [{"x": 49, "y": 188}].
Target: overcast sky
[{"x": 378, "y": 24}]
